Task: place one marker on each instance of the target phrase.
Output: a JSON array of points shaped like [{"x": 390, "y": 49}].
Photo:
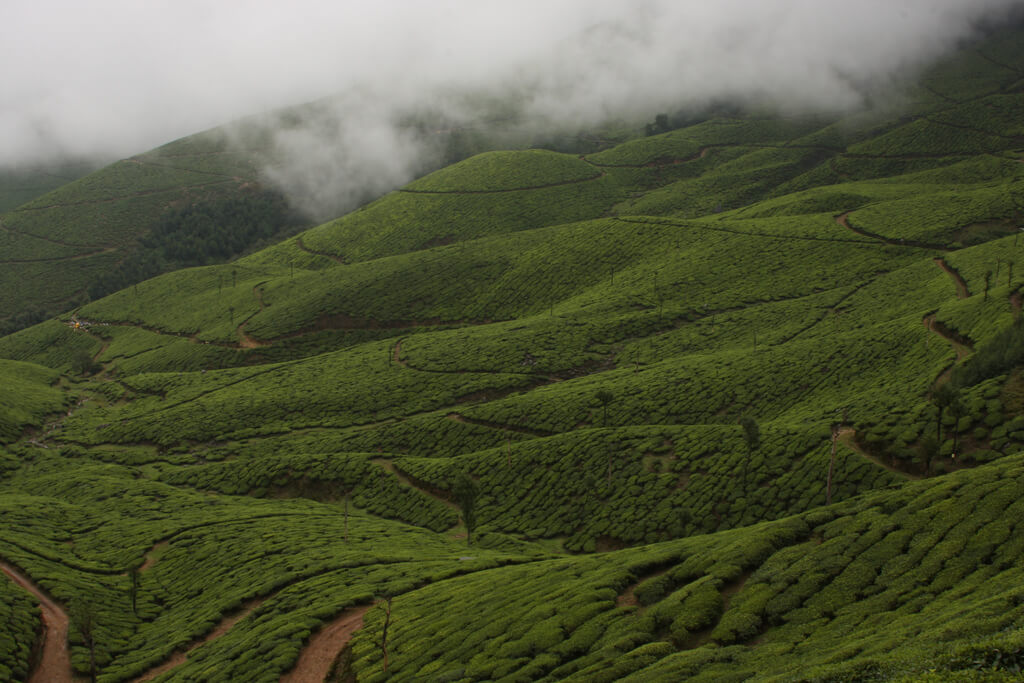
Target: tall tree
[
  {"x": 346, "y": 516},
  {"x": 928, "y": 448},
  {"x": 466, "y": 491},
  {"x": 133, "y": 588},
  {"x": 752, "y": 437},
  {"x": 942, "y": 397},
  {"x": 83, "y": 616},
  {"x": 604, "y": 397},
  {"x": 957, "y": 410},
  {"x": 831, "y": 463}
]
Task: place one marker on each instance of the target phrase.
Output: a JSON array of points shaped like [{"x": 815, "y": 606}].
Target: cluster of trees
[
  {"x": 660, "y": 125},
  {"x": 82, "y": 363},
  {"x": 217, "y": 230},
  {"x": 204, "y": 233},
  {"x": 26, "y": 318}
]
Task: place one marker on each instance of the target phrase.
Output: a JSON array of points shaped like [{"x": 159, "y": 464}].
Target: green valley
[{"x": 739, "y": 400}]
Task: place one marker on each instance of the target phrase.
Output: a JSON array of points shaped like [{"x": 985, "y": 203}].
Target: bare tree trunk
[
  {"x": 609, "y": 466},
  {"x": 134, "y": 589},
  {"x": 831, "y": 465},
  {"x": 383, "y": 644}
]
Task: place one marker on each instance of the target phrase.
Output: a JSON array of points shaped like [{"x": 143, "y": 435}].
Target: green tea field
[{"x": 743, "y": 400}]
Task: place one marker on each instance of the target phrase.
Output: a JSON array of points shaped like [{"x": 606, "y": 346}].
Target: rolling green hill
[
  {"x": 82, "y": 238},
  {"x": 741, "y": 400},
  {"x": 69, "y": 235},
  {"x": 23, "y": 183}
]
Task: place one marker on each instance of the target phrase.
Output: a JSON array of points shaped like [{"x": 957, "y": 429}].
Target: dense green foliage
[
  {"x": 26, "y": 397},
  {"x": 634, "y": 379},
  {"x": 801, "y": 599},
  {"x": 20, "y": 617},
  {"x": 208, "y": 232}
]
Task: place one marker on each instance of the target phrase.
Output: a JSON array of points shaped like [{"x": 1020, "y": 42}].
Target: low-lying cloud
[{"x": 117, "y": 77}]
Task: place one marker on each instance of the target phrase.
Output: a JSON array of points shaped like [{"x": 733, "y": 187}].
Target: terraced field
[{"x": 743, "y": 400}]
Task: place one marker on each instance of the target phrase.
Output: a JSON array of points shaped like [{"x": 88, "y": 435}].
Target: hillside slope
[
  {"x": 21, "y": 184},
  {"x": 740, "y": 400},
  {"x": 78, "y": 235},
  {"x": 70, "y": 242}
]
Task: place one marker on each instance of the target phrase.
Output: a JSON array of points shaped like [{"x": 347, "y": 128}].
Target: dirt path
[
  {"x": 247, "y": 342},
  {"x": 325, "y": 322},
  {"x": 152, "y": 556},
  {"x": 844, "y": 220},
  {"x": 316, "y": 659},
  {"x": 656, "y": 163},
  {"x": 334, "y": 322},
  {"x": 742, "y": 233},
  {"x": 333, "y": 257},
  {"x": 193, "y": 338},
  {"x": 73, "y": 257},
  {"x": 508, "y": 189},
  {"x": 1002, "y": 65},
  {"x": 980, "y": 131},
  {"x": 244, "y": 340},
  {"x": 495, "y": 425},
  {"x": 55, "y": 425},
  {"x": 104, "y": 345},
  {"x": 179, "y": 657},
  {"x": 413, "y": 483},
  {"x": 144, "y": 162},
  {"x": 962, "y": 346},
  {"x": 396, "y": 357},
  {"x": 54, "y": 664},
  {"x": 15, "y": 231},
  {"x": 961, "y": 286},
  {"x": 847, "y": 438},
  {"x": 398, "y": 354},
  {"x": 627, "y": 598},
  {"x": 111, "y": 200}
]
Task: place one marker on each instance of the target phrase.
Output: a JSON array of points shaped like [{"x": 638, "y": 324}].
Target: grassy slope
[
  {"x": 23, "y": 184},
  {"x": 57, "y": 244},
  {"x": 580, "y": 336}
]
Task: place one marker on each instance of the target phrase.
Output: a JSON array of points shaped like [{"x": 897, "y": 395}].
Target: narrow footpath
[
  {"x": 847, "y": 437},
  {"x": 179, "y": 657},
  {"x": 54, "y": 664},
  {"x": 844, "y": 220},
  {"x": 961, "y": 286}
]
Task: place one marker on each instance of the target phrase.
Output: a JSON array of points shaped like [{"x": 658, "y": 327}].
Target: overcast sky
[{"x": 117, "y": 77}]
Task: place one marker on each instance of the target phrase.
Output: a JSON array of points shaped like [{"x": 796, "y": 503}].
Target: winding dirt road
[
  {"x": 961, "y": 286},
  {"x": 324, "y": 647},
  {"x": 178, "y": 658},
  {"x": 54, "y": 664},
  {"x": 844, "y": 220}
]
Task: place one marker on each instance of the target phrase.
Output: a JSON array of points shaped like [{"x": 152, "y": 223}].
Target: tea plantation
[{"x": 739, "y": 400}]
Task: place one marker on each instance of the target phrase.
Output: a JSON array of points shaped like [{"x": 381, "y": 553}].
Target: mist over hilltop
[{"x": 117, "y": 77}]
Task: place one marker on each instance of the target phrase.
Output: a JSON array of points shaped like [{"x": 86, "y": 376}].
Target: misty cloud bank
[{"x": 117, "y": 77}]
